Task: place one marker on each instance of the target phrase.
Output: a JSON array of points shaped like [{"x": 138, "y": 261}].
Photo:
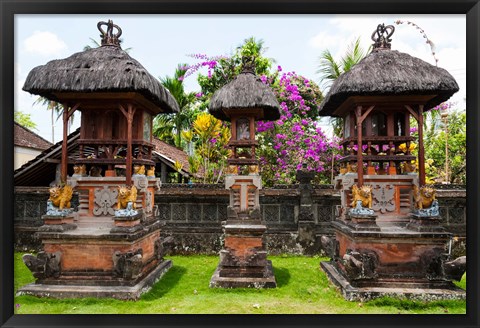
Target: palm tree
[
  {"x": 330, "y": 70},
  {"x": 55, "y": 108},
  {"x": 166, "y": 125}
]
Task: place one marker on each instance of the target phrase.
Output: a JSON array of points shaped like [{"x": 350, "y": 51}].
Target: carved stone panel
[
  {"x": 105, "y": 199},
  {"x": 148, "y": 202},
  {"x": 384, "y": 198}
]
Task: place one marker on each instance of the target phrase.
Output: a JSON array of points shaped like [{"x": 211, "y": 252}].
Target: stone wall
[{"x": 193, "y": 215}]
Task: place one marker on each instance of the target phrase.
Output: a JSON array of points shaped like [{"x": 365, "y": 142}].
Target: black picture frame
[{"x": 9, "y": 8}]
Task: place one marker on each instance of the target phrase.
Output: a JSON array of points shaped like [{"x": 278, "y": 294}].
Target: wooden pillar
[
  {"x": 360, "y": 119},
  {"x": 421, "y": 149},
  {"x": 66, "y": 116},
  {"x": 129, "y": 112},
  {"x": 358, "y": 115},
  {"x": 418, "y": 115}
]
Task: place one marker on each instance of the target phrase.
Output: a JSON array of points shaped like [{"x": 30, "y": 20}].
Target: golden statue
[
  {"x": 139, "y": 169},
  {"x": 253, "y": 169},
  {"x": 364, "y": 194},
  {"x": 126, "y": 195},
  {"x": 423, "y": 197},
  {"x": 232, "y": 169},
  {"x": 61, "y": 196},
  {"x": 409, "y": 167},
  {"x": 351, "y": 168},
  {"x": 80, "y": 169},
  {"x": 151, "y": 171}
]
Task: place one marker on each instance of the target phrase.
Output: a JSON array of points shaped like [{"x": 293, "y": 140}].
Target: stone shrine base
[
  {"x": 407, "y": 290},
  {"x": 267, "y": 281},
  {"x": 97, "y": 291}
]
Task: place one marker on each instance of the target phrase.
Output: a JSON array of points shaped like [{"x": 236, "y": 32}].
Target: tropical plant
[
  {"x": 295, "y": 140},
  {"x": 291, "y": 141},
  {"x": 24, "y": 120},
  {"x": 440, "y": 134},
  {"x": 211, "y": 151},
  {"x": 55, "y": 108},
  {"x": 330, "y": 69},
  {"x": 169, "y": 127}
]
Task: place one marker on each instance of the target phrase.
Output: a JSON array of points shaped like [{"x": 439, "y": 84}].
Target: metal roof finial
[
  {"x": 108, "y": 38},
  {"x": 382, "y": 39}
]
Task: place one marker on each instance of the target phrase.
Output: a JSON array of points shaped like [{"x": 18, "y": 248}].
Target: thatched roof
[
  {"x": 245, "y": 91},
  {"x": 390, "y": 73},
  {"x": 103, "y": 69}
]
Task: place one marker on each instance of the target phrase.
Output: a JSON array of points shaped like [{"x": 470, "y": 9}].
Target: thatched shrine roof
[
  {"x": 246, "y": 91},
  {"x": 386, "y": 72},
  {"x": 106, "y": 69}
]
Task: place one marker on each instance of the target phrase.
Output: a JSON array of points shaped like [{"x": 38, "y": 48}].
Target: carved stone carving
[
  {"x": 423, "y": 197},
  {"x": 162, "y": 245},
  {"x": 360, "y": 265},
  {"x": 44, "y": 265},
  {"x": 363, "y": 194},
  {"x": 330, "y": 246},
  {"x": 384, "y": 198},
  {"x": 55, "y": 211},
  {"x": 432, "y": 263},
  {"x": 456, "y": 268},
  {"x": 105, "y": 200},
  {"x": 139, "y": 169},
  {"x": 128, "y": 265},
  {"x": 95, "y": 171},
  {"x": 140, "y": 182},
  {"x": 80, "y": 170},
  {"x": 148, "y": 202},
  {"x": 61, "y": 196}
]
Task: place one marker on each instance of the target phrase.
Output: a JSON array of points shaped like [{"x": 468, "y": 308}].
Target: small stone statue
[
  {"x": 151, "y": 172},
  {"x": 423, "y": 197},
  {"x": 139, "y": 170},
  {"x": 126, "y": 201},
  {"x": 253, "y": 169},
  {"x": 363, "y": 194},
  {"x": 60, "y": 200},
  {"x": 232, "y": 169},
  {"x": 43, "y": 265},
  {"x": 79, "y": 170},
  {"x": 409, "y": 168},
  {"x": 95, "y": 171}
]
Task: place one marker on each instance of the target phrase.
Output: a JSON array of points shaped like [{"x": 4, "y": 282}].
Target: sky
[{"x": 161, "y": 42}]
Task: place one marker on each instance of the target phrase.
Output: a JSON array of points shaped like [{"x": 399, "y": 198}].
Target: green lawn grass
[{"x": 302, "y": 288}]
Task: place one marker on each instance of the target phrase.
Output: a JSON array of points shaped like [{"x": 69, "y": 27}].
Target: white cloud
[
  {"x": 44, "y": 43},
  {"x": 323, "y": 40}
]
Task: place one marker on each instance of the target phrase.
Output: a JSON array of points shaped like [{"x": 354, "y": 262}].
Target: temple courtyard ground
[{"x": 302, "y": 288}]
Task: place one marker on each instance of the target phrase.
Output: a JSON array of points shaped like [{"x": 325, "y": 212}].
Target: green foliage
[
  {"x": 449, "y": 130},
  {"x": 224, "y": 69},
  {"x": 457, "y": 151},
  {"x": 302, "y": 288},
  {"x": 24, "y": 120},
  {"x": 168, "y": 127},
  {"x": 330, "y": 69},
  {"x": 211, "y": 137}
]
